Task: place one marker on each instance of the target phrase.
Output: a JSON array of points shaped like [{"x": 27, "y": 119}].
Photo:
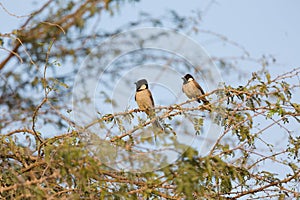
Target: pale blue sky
[{"x": 262, "y": 27}]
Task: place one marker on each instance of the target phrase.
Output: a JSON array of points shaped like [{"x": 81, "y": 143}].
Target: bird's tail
[
  {"x": 205, "y": 101},
  {"x": 157, "y": 125}
]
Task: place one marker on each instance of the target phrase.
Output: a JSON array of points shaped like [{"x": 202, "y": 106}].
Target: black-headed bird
[
  {"x": 192, "y": 89},
  {"x": 144, "y": 99}
]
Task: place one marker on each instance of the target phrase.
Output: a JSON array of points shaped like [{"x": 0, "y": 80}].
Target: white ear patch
[
  {"x": 190, "y": 79},
  {"x": 143, "y": 87}
]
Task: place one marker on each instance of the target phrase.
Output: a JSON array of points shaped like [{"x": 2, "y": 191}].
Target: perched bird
[
  {"x": 144, "y": 99},
  {"x": 192, "y": 89}
]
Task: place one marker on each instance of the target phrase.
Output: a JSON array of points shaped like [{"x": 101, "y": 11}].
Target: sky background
[{"x": 263, "y": 27}]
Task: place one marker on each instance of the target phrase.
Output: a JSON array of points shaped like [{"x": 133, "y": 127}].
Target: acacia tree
[{"x": 114, "y": 155}]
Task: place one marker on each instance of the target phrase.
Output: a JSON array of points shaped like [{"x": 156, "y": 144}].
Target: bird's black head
[
  {"x": 187, "y": 78},
  {"x": 141, "y": 84}
]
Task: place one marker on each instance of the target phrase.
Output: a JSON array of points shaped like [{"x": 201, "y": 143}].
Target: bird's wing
[
  {"x": 199, "y": 87},
  {"x": 152, "y": 101},
  {"x": 150, "y": 112},
  {"x": 205, "y": 101}
]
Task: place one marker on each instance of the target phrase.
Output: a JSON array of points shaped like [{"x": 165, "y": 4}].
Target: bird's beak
[{"x": 182, "y": 78}]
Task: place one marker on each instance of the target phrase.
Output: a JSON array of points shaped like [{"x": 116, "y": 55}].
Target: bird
[
  {"x": 144, "y": 100},
  {"x": 192, "y": 89}
]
